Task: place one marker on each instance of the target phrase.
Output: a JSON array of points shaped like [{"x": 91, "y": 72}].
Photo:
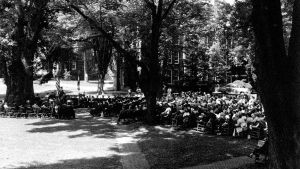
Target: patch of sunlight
[
  {"x": 232, "y": 142},
  {"x": 126, "y": 140},
  {"x": 228, "y": 155},
  {"x": 169, "y": 139},
  {"x": 143, "y": 129},
  {"x": 128, "y": 153},
  {"x": 164, "y": 129},
  {"x": 140, "y": 131},
  {"x": 53, "y": 125},
  {"x": 77, "y": 132}
]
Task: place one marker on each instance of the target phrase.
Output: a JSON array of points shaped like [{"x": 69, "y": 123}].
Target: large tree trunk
[
  {"x": 294, "y": 87},
  {"x": 100, "y": 85},
  {"x": 150, "y": 80},
  {"x": 151, "y": 107},
  {"x": 278, "y": 79},
  {"x": 151, "y": 83},
  {"x": 27, "y": 28},
  {"x": 19, "y": 83}
]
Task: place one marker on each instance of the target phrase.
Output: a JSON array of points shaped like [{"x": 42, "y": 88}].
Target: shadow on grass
[
  {"x": 166, "y": 148},
  {"x": 84, "y": 124},
  {"x": 111, "y": 162},
  {"x": 163, "y": 147}
]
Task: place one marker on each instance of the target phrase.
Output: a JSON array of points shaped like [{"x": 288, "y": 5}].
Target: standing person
[
  {"x": 169, "y": 97},
  {"x": 129, "y": 93},
  {"x": 61, "y": 95}
]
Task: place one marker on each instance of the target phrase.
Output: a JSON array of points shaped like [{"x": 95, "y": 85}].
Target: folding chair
[
  {"x": 10, "y": 111},
  {"x": 20, "y": 112},
  {"x": 255, "y": 133},
  {"x": 2, "y": 114},
  {"x": 225, "y": 131},
  {"x": 200, "y": 126}
]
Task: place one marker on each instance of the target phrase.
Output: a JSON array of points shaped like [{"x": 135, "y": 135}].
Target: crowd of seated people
[
  {"x": 50, "y": 106},
  {"x": 236, "y": 115},
  {"x": 114, "y": 106},
  {"x": 53, "y": 105}
]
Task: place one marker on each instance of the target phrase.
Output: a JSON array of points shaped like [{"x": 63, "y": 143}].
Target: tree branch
[
  {"x": 151, "y": 5},
  {"x": 168, "y": 9},
  {"x": 160, "y": 8},
  {"x": 115, "y": 44},
  {"x": 38, "y": 21}
]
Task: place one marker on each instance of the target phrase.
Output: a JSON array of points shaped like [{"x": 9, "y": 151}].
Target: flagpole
[
  {"x": 57, "y": 86},
  {"x": 78, "y": 85}
]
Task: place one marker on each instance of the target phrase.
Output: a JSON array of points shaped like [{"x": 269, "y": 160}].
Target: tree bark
[
  {"x": 19, "y": 83},
  {"x": 294, "y": 101},
  {"x": 151, "y": 107},
  {"x": 100, "y": 85},
  {"x": 278, "y": 80},
  {"x": 27, "y": 28}
]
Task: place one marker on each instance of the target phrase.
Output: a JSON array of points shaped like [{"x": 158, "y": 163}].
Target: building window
[
  {"x": 176, "y": 58},
  {"x": 74, "y": 65},
  {"x": 175, "y": 75},
  {"x": 183, "y": 56},
  {"x": 170, "y": 59},
  {"x": 169, "y": 76}
]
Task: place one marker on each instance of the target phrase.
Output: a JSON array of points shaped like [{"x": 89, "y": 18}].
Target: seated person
[
  {"x": 166, "y": 114},
  {"x": 261, "y": 150},
  {"x": 51, "y": 95},
  {"x": 62, "y": 95},
  {"x": 220, "y": 120},
  {"x": 178, "y": 117},
  {"x": 70, "y": 102},
  {"x": 22, "y": 108},
  {"x": 28, "y": 104},
  {"x": 186, "y": 117},
  {"x": 212, "y": 122},
  {"x": 240, "y": 125},
  {"x": 35, "y": 106},
  {"x": 37, "y": 99},
  {"x": 201, "y": 117}
]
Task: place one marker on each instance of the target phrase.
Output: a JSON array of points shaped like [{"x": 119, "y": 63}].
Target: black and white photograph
[{"x": 149, "y": 84}]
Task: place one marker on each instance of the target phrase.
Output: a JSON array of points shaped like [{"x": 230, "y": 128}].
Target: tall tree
[
  {"x": 279, "y": 78},
  {"x": 184, "y": 33},
  {"x": 150, "y": 82},
  {"x": 27, "y": 18}
]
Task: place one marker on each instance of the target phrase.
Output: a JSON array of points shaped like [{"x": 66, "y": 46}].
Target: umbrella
[{"x": 240, "y": 84}]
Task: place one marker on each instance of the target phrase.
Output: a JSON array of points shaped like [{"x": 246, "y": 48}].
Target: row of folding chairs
[
  {"x": 12, "y": 112},
  {"x": 254, "y": 133},
  {"x": 224, "y": 130}
]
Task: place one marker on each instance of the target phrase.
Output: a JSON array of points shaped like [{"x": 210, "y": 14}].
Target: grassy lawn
[
  {"x": 83, "y": 143},
  {"x": 70, "y": 87},
  {"x": 165, "y": 148}
]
